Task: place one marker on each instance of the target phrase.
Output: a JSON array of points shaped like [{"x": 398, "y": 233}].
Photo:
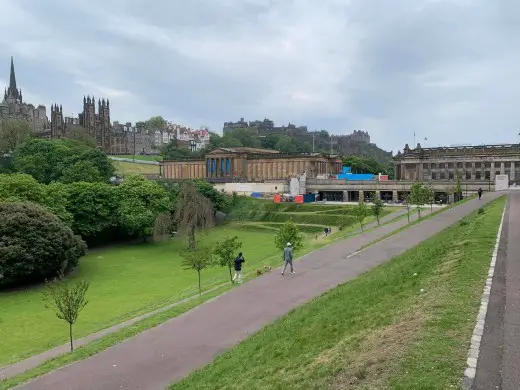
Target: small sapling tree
[
  {"x": 198, "y": 259},
  {"x": 418, "y": 194},
  {"x": 289, "y": 232},
  {"x": 361, "y": 213},
  {"x": 377, "y": 208},
  {"x": 67, "y": 301},
  {"x": 226, "y": 251}
]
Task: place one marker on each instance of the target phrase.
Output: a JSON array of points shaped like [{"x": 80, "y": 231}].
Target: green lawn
[
  {"x": 406, "y": 324},
  {"x": 139, "y": 157},
  {"x": 130, "y": 169},
  {"x": 125, "y": 282}
]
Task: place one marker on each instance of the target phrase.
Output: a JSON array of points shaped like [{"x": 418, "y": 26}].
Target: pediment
[{"x": 220, "y": 151}]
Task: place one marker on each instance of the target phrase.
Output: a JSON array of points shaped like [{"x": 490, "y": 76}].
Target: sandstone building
[
  {"x": 249, "y": 164},
  {"x": 470, "y": 163},
  {"x": 13, "y": 107}
]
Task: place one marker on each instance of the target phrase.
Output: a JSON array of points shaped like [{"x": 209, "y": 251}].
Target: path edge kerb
[{"x": 478, "y": 331}]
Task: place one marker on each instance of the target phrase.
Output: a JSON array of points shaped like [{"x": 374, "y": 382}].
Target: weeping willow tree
[{"x": 192, "y": 211}]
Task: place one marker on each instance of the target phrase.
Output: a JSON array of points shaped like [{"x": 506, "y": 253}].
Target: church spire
[
  {"x": 12, "y": 92},
  {"x": 12, "y": 78}
]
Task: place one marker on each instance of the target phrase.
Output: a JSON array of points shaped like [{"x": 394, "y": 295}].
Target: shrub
[{"x": 34, "y": 244}]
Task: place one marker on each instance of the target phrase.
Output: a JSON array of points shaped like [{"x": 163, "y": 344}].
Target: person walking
[
  {"x": 287, "y": 258},
  {"x": 480, "y": 193},
  {"x": 239, "y": 260}
]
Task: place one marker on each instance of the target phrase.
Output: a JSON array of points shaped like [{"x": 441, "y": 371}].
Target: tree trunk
[
  {"x": 200, "y": 290},
  {"x": 408, "y": 214},
  {"x": 191, "y": 238},
  {"x": 70, "y": 335},
  {"x": 230, "y": 274},
  {"x": 431, "y": 207},
  {"x": 377, "y": 217},
  {"x": 419, "y": 212},
  {"x": 361, "y": 224}
]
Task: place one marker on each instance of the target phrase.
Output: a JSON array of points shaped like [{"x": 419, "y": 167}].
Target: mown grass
[
  {"x": 406, "y": 324},
  {"x": 141, "y": 157},
  {"x": 132, "y": 169}
]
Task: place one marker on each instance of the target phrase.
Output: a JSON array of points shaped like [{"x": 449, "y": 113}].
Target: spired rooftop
[{"x": 249, "y": 164}]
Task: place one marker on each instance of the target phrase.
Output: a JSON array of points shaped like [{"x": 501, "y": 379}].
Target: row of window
[
  {"x": 461, "y": 165},
  {"x": 479, "y": 175}
]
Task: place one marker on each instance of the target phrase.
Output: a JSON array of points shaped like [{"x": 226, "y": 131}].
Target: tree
[
  {"x": 140, "y": 202},
  {"x": 155, "y": 123},
  {"x": 377, "y": 208},
  {"x": 407, "y": 201},
  {"x": 19, "y": 188},
  {"x": 289, "y": 232},
  {"x": 192, "y": 211},
  {"x": 67, "y": 302},
  {"x": 94, "y": 207},
  {"x": 226, "y": 251},
  {"x": 35, "y": 245},
  {"x": 63, "y": 159},
  {"x": 418, "y": 195},
  {"x": 197, "y": 258},
  {"x": 361, "y": 213},
  {"x": 429, "y": 193},
  {"x": 286, "y": 144},
  {"x": 13, "y": 132}
]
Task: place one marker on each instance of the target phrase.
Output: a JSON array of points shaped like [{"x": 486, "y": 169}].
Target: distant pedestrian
[
  {"x": 326, "y": 231},
  {"x": 287, "y": 258},
  {"x": 480, "y": 193},
  {"x": 239, "y": 260}
]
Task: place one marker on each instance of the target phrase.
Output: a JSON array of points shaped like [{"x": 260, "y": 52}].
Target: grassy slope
[
  {"x": 129, "y": 168},
  {"x": 125, "y": 281},
  {"x": 378, "y": 331}
]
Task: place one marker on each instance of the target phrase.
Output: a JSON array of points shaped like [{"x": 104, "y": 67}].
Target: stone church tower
[{"x": 97, "y": 126}]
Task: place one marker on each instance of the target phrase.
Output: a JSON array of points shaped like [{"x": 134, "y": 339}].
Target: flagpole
[{"x": 414, "y": 139}]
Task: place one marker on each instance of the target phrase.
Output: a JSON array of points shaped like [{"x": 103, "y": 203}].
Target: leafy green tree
[
  {"x": 19, "y": 188},
  {"x": 286, "y": 144},
  {"x": 229, "y": 141},
  {"x": 418, "y": 196},
  {"x": 219, "y": 200},
  {"x": 66, "y": 301},
  {"x": 84, "y": 171},
  {"x": 429, "y": 193},
  {"x": 13, "y": 132},
  {"x": 226, "y": 251},
  {"x": 155, "y": 123},
  {"x": 197, "y": 258},
  {"x": 94, "y": 207},
  {"x": 140, "y": 202},
  {"x": 361, "y": 213},
  {"x": 270, "y": 141},
  {"x": 377, "y": 209},
  {"x": 49, "y": 160},
  {"x": 246, "y": 136},
  {"x": 35, "y": 244},
  {"x": 289, "y": 232}
]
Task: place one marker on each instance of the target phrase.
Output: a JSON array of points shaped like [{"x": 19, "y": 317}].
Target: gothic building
[{"x": 13, "y": 107}]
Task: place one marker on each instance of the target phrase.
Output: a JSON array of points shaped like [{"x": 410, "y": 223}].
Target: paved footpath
[
  {"x": 170, "y": 351},
  {"x": 498, "y": 365}
]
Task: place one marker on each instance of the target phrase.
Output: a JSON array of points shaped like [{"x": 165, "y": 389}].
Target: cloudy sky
[{"x": 448, "y": 70}]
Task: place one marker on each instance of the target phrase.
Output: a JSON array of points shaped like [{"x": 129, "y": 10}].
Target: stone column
[
  {"x": 345, "y": 196},
  {"x": 361, "y": 195},
  {"x": 513, "y": 173},
  {"x": 492, "y": 171},
  {"x": 395, "y": 196},
  {"x": 403, "y": 172},
  {"x": 473, "y": 171},
  {"x": 502, "y": 168},
  {"x": 378, "y": 194}
]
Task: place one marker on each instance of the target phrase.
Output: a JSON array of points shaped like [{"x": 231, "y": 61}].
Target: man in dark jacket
[
  {"x": 480, "y": 193},
  {"x": 287, "y": 258},
  {"x": 239, "y": 260}
]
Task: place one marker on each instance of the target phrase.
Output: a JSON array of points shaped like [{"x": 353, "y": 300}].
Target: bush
[{"x": 34, "y": 244}]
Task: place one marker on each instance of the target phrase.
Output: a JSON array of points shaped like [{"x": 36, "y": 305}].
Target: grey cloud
[{"x": 446, "y": 69}]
